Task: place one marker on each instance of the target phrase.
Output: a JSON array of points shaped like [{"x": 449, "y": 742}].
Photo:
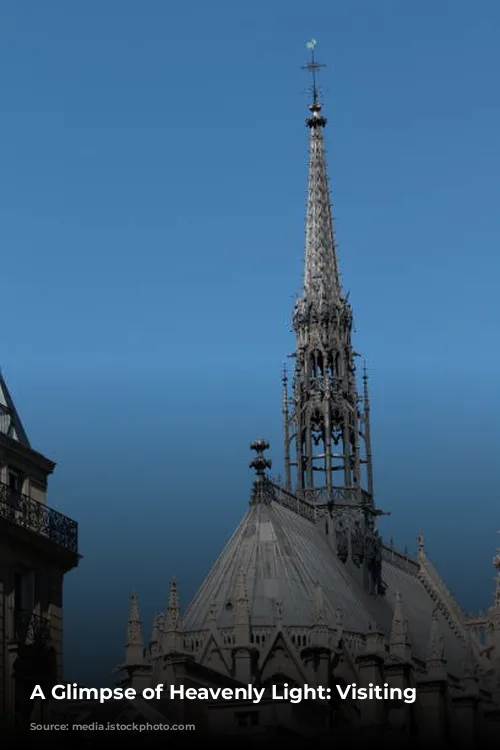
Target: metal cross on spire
[{"x": 313, "y": 67}]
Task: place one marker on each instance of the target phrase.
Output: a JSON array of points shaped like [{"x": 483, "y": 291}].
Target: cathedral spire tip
[{"x": 312, "y": 66}]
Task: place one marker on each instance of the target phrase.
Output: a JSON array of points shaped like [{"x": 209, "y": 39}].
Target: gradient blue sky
[{"x": 153, "y": 171}]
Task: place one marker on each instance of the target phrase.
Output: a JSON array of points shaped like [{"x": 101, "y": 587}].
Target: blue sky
[{"x": 153, "y": 172}]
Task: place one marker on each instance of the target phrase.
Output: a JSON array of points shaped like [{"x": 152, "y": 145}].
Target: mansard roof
[
  {"x": 10, "y": 422},
  {"x": 285, "y": 556}
]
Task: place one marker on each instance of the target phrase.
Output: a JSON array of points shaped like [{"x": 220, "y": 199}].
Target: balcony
[{"x": 46, "y": 526}]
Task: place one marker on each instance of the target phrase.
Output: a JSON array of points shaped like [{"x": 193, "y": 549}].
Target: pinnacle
[
  {"x": 173, "y": 598},
  {"x": 436, "y": 647},
  {"x": 134, "y": 629},
  {"x": 399, "y": 641}
]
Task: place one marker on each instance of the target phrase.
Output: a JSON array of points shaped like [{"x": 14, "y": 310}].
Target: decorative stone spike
[
  {"x": 134, "y": 651},
  {"x": 420, "y": 543},
  {"x": 435, "y": 652},
  {"x": 399, "y": 644},
  {"x": 134, "y": 627},
  {"x": 173, "y": 613}
]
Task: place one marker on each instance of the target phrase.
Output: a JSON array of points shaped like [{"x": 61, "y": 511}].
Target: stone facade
[{"x": 37, "y": 547}]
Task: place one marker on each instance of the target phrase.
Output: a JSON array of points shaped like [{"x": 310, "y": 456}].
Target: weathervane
[{"x": 313, "y": 67}]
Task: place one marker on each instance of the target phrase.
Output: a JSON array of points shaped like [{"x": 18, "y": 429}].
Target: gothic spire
[
  {"x": 329, "y": 429},
  {"x": 321, "y": 276}
]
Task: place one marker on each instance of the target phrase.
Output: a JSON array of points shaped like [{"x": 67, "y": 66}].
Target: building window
[
  {"x": 25, "y": 621},
  {"x": 24, "y": 592},
  {"x": 247, "y": 719},
  {"x": 14, "y": 481}
]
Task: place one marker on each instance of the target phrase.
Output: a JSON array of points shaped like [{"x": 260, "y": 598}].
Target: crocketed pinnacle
[
  {"x": 435, "y": 651},
  {"x": 173, "y": 612},
  {"x": 134, "y": 628},
  {"x": 134, "y": 651},
  {"x": 399, "y": 643}
]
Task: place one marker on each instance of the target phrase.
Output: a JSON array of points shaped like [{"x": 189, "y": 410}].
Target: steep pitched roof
[
  {"x": 10, "y": 422},
  {"x": 285, "y": 556}
]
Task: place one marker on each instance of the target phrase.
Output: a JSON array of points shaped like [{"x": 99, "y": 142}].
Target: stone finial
[
  {"x": 134, "y": 651},
  {"x": 173, "y": 595},
  {"x": 420, "y": 543},
  {"x": 173, "y": 633},
  {"x": 284, "y": 382},
  {"x": 260, "y": 463},
  {"x": 134, "y": 626},
  {"x": 435, "y": 651},
  {"x": 173, "y": 612},
  {"x": 263, "y": 490}
]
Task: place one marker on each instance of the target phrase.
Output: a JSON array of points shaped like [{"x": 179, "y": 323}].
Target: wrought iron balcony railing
[
  {"x": 31, "y": 629},
  {"x": 24, "y": 512}
]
